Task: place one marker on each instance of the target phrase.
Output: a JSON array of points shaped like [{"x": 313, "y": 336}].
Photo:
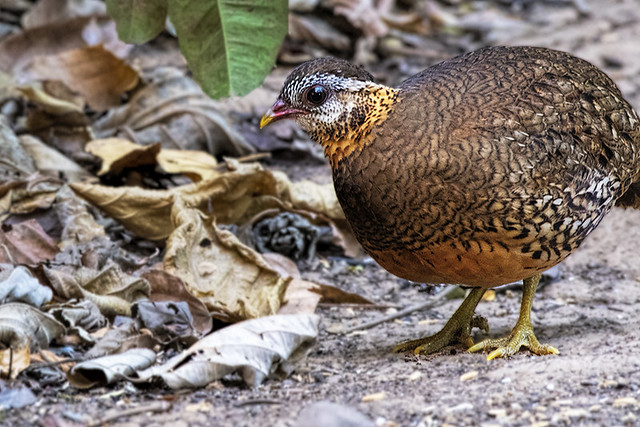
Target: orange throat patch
[{"x": 374, "y": 105}]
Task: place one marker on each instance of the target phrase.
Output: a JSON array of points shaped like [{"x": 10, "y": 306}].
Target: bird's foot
[
  {"x": 521, "y": 335},
  {"x": 457, "y": 330}
]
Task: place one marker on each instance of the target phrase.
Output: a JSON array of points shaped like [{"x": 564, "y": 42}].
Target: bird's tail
[{"x": 631, "y": 198}]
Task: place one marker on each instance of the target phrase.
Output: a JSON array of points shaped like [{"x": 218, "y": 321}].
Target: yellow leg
[
  {"x": 457, "y": 329},
  {"x": 522, "y": 334}
]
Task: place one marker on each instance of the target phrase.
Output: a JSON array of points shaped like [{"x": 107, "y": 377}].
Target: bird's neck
[{"x": 369, "y": 108}]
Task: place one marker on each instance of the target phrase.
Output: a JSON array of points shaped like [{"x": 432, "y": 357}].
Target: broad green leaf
[
  {"x": 230, "y": 45},
  {"x": 138, "y": 21}
]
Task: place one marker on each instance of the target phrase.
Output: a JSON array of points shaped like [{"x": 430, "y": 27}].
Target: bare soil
[{"x": 590, "y": 313}]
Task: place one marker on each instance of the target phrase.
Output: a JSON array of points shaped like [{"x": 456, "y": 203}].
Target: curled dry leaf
[
  {"x": 255, "y": 348},
  {"x": 233, "y": 281},
  {"x": 197, "y": 165},
  {"x": 24, "y": 320},
  {"x": 110, "y": 289},
  {"x": 363, "y": 14},
  {"x": 315, "y": 30},
  {"x": 167, "y": 287},
  {"x": 108, "y": 369},
  {"x": 21, "y": 286},
  {"x": 79, "y": 317},
  {"x": 172, "y": 108},
  {"x": 26, "y": 243},
  {"x": 118, "y": 153},
  {"x": 94, "y": 72}
]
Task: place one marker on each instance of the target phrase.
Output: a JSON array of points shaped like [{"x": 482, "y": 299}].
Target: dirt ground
[{"x": 589, "y": 313}]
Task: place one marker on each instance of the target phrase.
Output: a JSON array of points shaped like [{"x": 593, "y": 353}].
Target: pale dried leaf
[
  {"x": 121, "y": 340},
  {"x": 108, "y": 369},
  {"x": 50, "y": 161},
  {"x": 255, "y": 348},
  {"x": 49, "y": 103},
  {"x": 92, "y": 71},
  {"x": 233, "y": 281},
  {"x": 197, "y": 165},
  {"x": 17, "y": 357},
  {"x": 362, "y": 14}
]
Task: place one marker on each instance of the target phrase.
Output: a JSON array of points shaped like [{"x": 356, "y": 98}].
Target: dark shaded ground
[{"x": 590, "y": 314}]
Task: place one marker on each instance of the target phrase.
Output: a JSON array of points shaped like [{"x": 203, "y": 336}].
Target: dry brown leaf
[
  {"x": 363, "y": 14},
  {"x": 118, "y": 153},
  {"x": 233, "y": 281},
  {"x": 17, "y": 357},
  {"x": 107, "y": 369},
  {"x": 146, "y": 213},
  {"x": 316, "y": 30},
  {"x": 167, "y": 287},
  {"x": 18, "y": 51},
  {"x": 299, "y": 299},
  {"x": 92, "y": 71},
  {"x": 51, "y": 11},
  {"x": 26, "y": 243}
]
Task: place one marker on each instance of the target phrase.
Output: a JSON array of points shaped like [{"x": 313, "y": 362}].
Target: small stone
[
  {"x": 374, "y": 397},
  {"x": 575, "y": 413},
  {"x": 630, "y": 418},
  {"x": 541, "y": 408},
  {"x": 465, "y": 406},
  {"x": 595, "y": 408},
  {"x": 625, "y": 401},
  {"x": 468, "y": 375},
  {"x": 497, "y": 412},
  {"x": 506, "y": 380},
  {"x": 516, "y": 407},
  {"x": 550, "y": 387},
  {"x": 415, "y": 375},
  {"x": 539, "y": 424}
]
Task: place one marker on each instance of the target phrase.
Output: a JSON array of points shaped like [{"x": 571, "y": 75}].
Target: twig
[
  {"x": 108, "y": 417},
  {"x": 436, "y": 300},
  {"x": 258, "y": 402}
]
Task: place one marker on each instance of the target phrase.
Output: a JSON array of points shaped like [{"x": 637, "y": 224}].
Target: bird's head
[{"x": 334, "y": 101}]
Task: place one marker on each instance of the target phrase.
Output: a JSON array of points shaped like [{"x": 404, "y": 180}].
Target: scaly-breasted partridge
[{"x": 482, "y": 170}]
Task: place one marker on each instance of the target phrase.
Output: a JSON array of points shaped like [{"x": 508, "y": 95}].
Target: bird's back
[{"x": 491, "y": 167}]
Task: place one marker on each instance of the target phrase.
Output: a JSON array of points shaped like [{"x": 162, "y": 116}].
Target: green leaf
[
  {"x": 138, "y": 21},
  {"x": 230, "y": 45}
]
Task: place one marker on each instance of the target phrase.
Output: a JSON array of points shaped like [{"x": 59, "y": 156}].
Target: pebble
[
  {"x": 468, "y": 375},
  {"x": 374, "y": 397},
  {"x": 497, "y": 412},
  {"x": 550, "y": 387},
  {"x": 464, "y": 406},
  {"x": 630, "y": 418},
  {"x": 575, "y": 413},
  {"x": 595, "y": 408},
  {"x": 506, "y": 380},
  {"x": 625, "y": 401},
  {"x": 415, "y": 375}
]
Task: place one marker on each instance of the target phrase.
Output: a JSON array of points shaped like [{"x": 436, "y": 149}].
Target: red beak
[{"x": 279, "y": 111}]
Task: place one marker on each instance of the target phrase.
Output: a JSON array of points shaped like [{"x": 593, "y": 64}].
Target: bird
[{"x": 484, "y": 169}]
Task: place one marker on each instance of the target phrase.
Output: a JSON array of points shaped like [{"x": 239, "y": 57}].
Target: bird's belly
[{"x": 480, "y": 265}]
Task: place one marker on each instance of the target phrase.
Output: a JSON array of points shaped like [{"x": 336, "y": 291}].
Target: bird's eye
[{"x": 316, "y": 95}]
